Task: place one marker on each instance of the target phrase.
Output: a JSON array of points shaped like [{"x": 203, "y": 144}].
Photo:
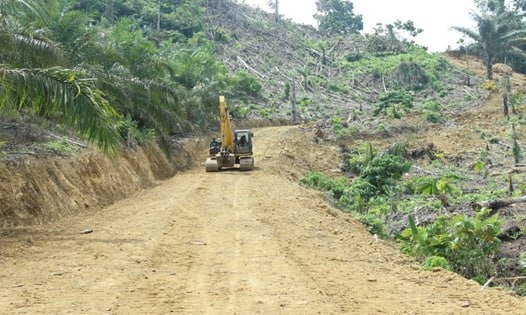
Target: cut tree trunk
[{"x": 496, "y": 205}]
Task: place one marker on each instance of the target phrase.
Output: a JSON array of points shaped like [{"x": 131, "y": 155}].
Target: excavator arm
[{"x": 227, "y": 135}]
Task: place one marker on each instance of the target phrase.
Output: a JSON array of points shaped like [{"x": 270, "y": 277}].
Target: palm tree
[
  {"x": 497, "y": 36},
  {"x": 34, "y": 76}
]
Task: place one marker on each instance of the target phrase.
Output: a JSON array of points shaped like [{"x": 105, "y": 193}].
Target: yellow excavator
[{"x": 234, "y": 147}]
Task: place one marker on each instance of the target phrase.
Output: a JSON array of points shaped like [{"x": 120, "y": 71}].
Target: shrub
[
  {"x": 490, "y": 85},
  {"x": 433, "y": 117},
  {"x": 436, "y": 261},
  {"x": 131, "y": 133},
  {"x": 246, "y": 82},
  {"x": 384, "y": 170},
  {"x": 467, "y": 244},
  {"x": 395, "y": 101}
]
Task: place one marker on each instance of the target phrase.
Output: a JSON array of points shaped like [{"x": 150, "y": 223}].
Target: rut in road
[{"x": 226, "y": 243}]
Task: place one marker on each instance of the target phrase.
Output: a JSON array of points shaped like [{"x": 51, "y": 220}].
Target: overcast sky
[{"x": 435, "y": 17}]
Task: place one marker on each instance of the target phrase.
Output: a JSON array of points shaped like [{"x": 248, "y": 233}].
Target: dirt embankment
[{"x": 39, "y": 190}]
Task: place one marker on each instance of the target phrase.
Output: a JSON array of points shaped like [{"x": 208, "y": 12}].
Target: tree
[
  {"x": 337, "y": 16},
  {"x": 33, "y": 77},
  {"x": 499, "y": 32},
  {"x": 389, "y": 38},
  {"x": 274, "y": 4}
]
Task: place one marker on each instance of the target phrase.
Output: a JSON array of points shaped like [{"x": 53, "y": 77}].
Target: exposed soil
[{"x": 228, "y": 242}]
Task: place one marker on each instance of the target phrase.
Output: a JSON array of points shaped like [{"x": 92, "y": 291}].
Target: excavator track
[
  {"x": 246, "y": 163},
  {"x": 211, "y": 165}
]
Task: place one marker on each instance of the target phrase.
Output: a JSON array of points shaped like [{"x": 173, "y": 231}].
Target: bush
[
  {"x": 246, "y": 82},
  {"x": 395, "y": 101},
  {"x": 433, "y": 117},
  {"x": 131, "y": 133},
  {"x": 384, "y": 170},
  {"x": 490, "y": 85},
  {"x": 467, "y": 244},
  {"x": 432, "y": 111},
  {"x": 436, "y": 261}
]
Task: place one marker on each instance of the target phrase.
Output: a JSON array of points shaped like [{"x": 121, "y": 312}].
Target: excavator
[{"x": 234, "y": 148}]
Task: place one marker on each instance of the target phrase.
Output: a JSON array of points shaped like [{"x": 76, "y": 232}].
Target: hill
[{"x": 438, "y": 109}]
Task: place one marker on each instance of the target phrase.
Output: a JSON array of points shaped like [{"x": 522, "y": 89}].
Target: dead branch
[
  {"x": 250, "y": 68},
  {"x": 67, "y": 140},
  {"x": 493, "y": 279},
  {"x": 283, "y": 74},
  {"x": 315, "y": 52},
  {"x": 329, "y": 52}
]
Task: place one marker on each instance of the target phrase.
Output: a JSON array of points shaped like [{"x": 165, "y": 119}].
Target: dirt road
[{"x": 227, "y": 243}]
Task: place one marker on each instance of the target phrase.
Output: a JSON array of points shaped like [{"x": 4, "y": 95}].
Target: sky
[{"x": 435, "y": 17}]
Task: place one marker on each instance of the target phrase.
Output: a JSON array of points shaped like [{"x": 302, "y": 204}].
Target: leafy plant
[
  {"x": 247, "y": 83},
  {"x": 436, "y": 186},
  {"x": 435, "y": 261},
  {"x": 432, "y": 111},
  {"x": 489, "y": 85},
  {"x": 396, "y": 101},
  {"x": 516, "y": 99},
  {"x": 467, "y": 244}
]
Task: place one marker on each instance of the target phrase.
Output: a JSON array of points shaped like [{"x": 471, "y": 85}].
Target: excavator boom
[{"x": 227, "y": 136}]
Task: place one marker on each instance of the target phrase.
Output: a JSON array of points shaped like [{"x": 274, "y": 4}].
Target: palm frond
[
  {"x": 38, "y": 52},
  {"x": 29, "y": 9},
  {"x": 468, "y": 32},
  {"x": 66, "y": 95}
]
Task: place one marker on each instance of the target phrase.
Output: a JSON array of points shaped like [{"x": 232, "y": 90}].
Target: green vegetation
[
  {"x": 460, "y": 243},
  {"x": 393, "y": 103},
  {"x": 375, "y": 189},
  {"x": 61, "y": 147},
  {"x": 432, "y": 111},
  {"x": 98, "y": 66},
  {"x": 377, "y": 176},
  {"x": 499, "y": 33},
  {"x": 337, "y": 16}
]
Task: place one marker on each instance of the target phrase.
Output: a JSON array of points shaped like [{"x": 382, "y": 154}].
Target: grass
[{"x": 61, "y": 147}]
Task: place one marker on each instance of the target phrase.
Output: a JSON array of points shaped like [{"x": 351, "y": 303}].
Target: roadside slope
[{"x": 228, "y": 242}]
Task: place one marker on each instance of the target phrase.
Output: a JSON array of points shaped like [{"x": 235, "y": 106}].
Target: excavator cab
[{"x": 243, "y": 142}]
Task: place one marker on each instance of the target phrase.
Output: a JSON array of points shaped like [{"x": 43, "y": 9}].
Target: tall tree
[
  {"x": 337, "y": 16},
  {"x": 499, "y": 32}
]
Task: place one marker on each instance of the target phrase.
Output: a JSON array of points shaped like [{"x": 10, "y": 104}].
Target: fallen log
[{"x": 496, "y": 205}]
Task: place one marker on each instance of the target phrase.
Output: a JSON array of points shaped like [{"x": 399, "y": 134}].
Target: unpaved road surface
[{"x": 227, "y": 243}]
